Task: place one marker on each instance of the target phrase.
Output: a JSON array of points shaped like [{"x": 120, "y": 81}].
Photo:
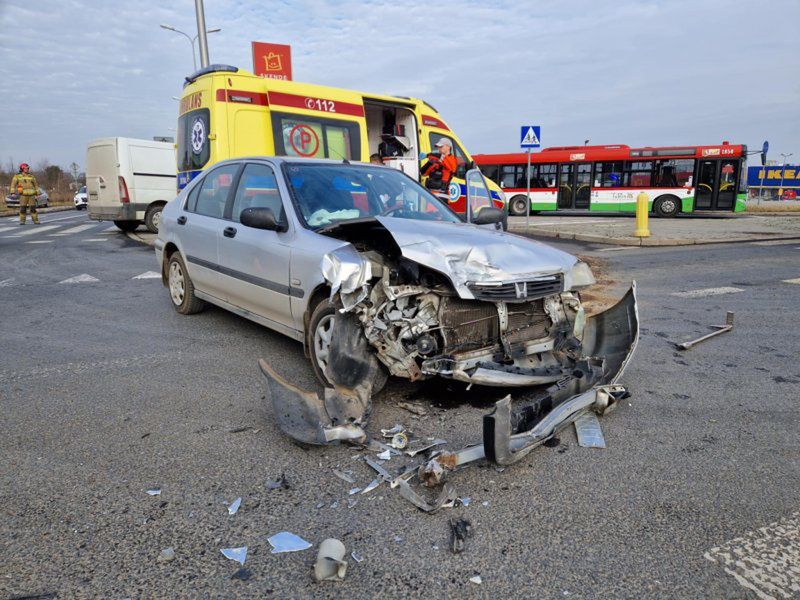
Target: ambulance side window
[
  {"x": 314, "y": 137},
  {"x": 461, "y": 156}
]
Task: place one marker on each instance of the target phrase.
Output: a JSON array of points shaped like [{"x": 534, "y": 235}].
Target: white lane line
[
  {"x": 40, "y": 242},
  {"x": 76, "y": 229},
  {"x": 707, "y": 292},
  {"x": 8, "y": 228},
  {"x": 775, "y": 243},
  {"x": 36, "y": 229},
  {"x": 618, "y": 248},
  {"x": 84, "y": 278},
  {"x": 795, "y": 281},
  {"x": 764, "y": 561},
  {"x": 7, "y": 282},
  {"x": 73, "y": 216},
  {"x": 148, "y": 275},
  {"x": 95, "y": 240}
]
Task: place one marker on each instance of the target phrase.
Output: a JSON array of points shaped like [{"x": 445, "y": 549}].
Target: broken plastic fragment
[
  {"x": 423, "y": 446},
  {"x": 465, "y": 501},
  {"x": 399, "y": 441},
  {"x": 476, "y": 579},
  {"x": 331, "y": 564},
  {"x": 460, "y": 530},
  {"x": 237, "y": 554},
  {"x": 357, "y": 557},
  {"x": 387, "y": 433},
  {"x": 154, "y": 492},
  {"x": 587, "y": 428},
  {"x": 234, "y": 506},
  {"x": 385, "y": 455},
  {"x": 166, "y": 555},
  {"x": 343, "y": 476},
  {"x": 351, "y": 502},
  {"x": 447, "y": 495},
  {"x": 372, "y": 485},
  {"x": 287, "y": 542},
  {"x": 280, "y": 483},
  {"x": 354, "y": 490},
  {"x": 242, "y": 574}
]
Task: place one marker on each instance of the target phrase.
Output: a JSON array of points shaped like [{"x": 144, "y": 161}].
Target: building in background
[{"x": 774, "y": 182}]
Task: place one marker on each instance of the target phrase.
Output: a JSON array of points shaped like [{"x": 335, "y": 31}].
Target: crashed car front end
[{"x": 453, "y": 309}]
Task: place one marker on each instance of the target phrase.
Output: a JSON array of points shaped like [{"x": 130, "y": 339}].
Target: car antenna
[{"x": 344, "y": 160}]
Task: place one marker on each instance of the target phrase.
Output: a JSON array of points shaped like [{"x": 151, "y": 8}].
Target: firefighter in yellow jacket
[{"x": 24, "y": 185}]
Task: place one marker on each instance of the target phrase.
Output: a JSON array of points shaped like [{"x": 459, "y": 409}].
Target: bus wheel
[
  {"x": 517, "y": 206},
  {"x": 667, "y": 206}
]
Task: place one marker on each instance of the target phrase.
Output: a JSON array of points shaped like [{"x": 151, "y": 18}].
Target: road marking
[
  {"x": 795, "y": 281},
  {"x": 76, "y": 229},
  {"x": 95, "y": 240},
  {"x": 84, "y": 278},
  {"x": 618, "y": 248},
  {"x": 572, "y": 222},
  {"x": 7, "y": 228},
  {"x": 7, "y": 282},
  {"x": 775, "y": 243},
  {"x": 34, "y": 229},
  {"x": 707, "y": 292},
  {"x": 148, "y": 275},
  {"x": 765, "y": 560},
  {"x": 72, "y": 216},
  {"x": 40, "y": 242}
]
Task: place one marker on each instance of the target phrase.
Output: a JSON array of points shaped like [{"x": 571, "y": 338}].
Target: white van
[{"x": 129, "y": 181}]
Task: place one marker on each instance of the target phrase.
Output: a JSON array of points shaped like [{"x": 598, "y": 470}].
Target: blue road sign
[{"x": 530, "y": 136}]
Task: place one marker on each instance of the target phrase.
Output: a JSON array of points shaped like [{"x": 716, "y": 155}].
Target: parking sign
[{"x": 530, "y": 136}]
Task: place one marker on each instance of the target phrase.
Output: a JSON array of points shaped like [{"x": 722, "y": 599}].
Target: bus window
[
  {"x": 512, "y": 176},
  {"x": 461, "y": 156},
  {"x": 639, "y": 174},
  {"x": 674, "y": 173},
  {"x": 608, "y": 174},
  {"x": 544, "y": 175},
  {"x": 312, "y": 137}
]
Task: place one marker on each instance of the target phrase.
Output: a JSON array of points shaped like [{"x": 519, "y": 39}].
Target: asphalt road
[{"x": 107, "y": 393}]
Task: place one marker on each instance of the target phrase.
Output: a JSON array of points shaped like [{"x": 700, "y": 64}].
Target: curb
[
  {"x": 634, "y": 241},
  {"x": 10, "y": 212}
]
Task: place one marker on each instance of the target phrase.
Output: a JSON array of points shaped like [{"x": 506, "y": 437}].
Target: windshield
[
  {"x": 326, "y": 194},
  {"x": 82, "y": 190}
]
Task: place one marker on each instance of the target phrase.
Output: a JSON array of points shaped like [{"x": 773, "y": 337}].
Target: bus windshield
[{"x": 326, "y": 194}]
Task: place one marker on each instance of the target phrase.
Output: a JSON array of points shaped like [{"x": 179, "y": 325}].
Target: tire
[
  {"x": 181, "y": 288},
  {"x": 667, "y": 206},
  {"x": 127, "y": 226},
  {"x": 517, "y": 206},
  {"x": 322, "y": 318},
  {"x": 152, "y": 218}
]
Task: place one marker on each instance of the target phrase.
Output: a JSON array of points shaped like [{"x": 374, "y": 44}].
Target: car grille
[
  {"x": 518, "y": 291},
  {"x": 470, "y": 325}
]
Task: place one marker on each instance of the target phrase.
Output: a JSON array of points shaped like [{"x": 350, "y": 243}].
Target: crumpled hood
[{"x": 468, "y": 253}]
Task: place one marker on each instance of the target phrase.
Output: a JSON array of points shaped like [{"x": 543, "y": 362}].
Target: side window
[
  {"x": 312, "y": 137},
  {"x": 257, "y": 188},
  {"x": 639, "y": 174},
  {"x": 458, "y": 152},
  {"x": 674, "y": 172},
  {"x": 214, "y": 190},
  {"x": 608, "y": 174},
  {"x": 191, "y": 202},
  {"x": 544, "y": 175},
  {"x": 508, "y": 176}
]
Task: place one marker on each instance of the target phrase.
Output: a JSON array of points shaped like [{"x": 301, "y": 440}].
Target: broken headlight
[{"x": 580, "y": 276}]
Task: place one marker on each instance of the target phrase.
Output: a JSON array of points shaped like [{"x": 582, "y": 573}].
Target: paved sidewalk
[{"x": 681, "y": 231}]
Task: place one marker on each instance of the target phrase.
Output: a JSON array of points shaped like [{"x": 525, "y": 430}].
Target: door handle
[
  {"x": 229, "y": 232},
  {"x": 182, "y": 220}
]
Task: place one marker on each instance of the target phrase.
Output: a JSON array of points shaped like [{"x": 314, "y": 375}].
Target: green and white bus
[{"x": 609, "y": 178}]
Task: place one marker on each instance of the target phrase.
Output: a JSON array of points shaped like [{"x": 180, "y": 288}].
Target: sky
[{"x": 658, "y": 73}]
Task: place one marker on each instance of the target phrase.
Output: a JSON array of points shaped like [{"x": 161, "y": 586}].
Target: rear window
[
  {"x": 311, "y": 137},
  {"x": 193, "y": 147}
]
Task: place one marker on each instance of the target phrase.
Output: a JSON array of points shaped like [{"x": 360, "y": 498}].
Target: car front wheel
[{"x": 181, "y": 288}]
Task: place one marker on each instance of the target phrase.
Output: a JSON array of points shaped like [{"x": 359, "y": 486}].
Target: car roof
[{"x": 279, "y": 160}]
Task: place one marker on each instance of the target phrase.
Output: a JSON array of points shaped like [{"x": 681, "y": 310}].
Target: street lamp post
[
  {"x": 783, "y": 172},
  {"x": 191, "y": 39}
]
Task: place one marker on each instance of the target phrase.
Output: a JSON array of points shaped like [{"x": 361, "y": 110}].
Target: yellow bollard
[{"x": 641, "y": 216}]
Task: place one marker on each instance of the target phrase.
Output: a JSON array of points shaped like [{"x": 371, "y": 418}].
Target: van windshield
[{"x": 327, "y": 194}]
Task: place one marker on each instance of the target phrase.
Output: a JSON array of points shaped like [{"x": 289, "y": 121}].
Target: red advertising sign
[{"x": 272, "y": 60}]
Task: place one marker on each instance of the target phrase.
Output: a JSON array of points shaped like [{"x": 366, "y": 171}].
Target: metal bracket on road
[{"x": 719, "y": 330}]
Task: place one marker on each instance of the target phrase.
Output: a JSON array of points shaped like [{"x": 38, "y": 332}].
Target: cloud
[{"x": 635, "y": 72}]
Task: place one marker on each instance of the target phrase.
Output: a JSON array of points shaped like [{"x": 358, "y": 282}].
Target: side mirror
[
  {"x": 488, "y": 215},
  {"x": 259, "y": 217}
]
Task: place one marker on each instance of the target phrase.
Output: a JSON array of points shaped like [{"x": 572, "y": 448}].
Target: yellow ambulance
[{"x": 227, "y": 113}]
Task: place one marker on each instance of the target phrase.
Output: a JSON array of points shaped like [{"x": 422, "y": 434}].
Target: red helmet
[{"x": 23, "y": 166}]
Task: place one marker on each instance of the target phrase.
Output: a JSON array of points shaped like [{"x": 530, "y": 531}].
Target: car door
[
  {"x": 255, "y": 262},
  {"x": 200, "y": 228}
]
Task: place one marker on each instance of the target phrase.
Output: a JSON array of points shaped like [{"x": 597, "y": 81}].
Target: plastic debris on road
[
  {"x": 154, "y": 492},
  {"x": 237, "y": 554},
  {"x": 372, "y": 485},
  {"x": 287, "y": 542},
  {"x": 242, "y": 574},
  {"x": 166, "y": 555},
  {"x": 460, "y": 530},
  {"x": 330, "y": 564},
  {"x": 387, "y": 433},
  {"x": 357, "y": 557},
  {"x": 234, "y": 506},
  {"x": 385, "y": 455},
  {"x": 354, "y": 490},
  {"x": 464, "y": 501},
  {"x": 344, "y": 476},
  {"x": 476, "y": 579},
  {"x": 587, "y": 428},
  {"x": 399, "y": 441},
  {"x": 280, "y": 483}
]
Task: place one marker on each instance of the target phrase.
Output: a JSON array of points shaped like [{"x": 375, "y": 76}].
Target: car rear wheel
[
  {"x": 517, "y": 206},
  {"x": 181, "y": 288},
  {"x": 667, "y": 206},
  {"x": 152, "y": 218},
  {"x": 127, "y": 226}
]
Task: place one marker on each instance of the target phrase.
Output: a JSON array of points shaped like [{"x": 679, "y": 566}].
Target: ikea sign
[{"x": 773, "y": 176}]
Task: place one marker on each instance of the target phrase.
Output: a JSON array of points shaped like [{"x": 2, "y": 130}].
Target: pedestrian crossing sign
[{"x": 530, "y": 136}]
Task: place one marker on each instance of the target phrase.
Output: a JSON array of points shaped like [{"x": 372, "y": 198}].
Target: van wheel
[
  {"x": 152, "y": 218},
  {"x": 127, "y": 226},
  {"x": 667, "y": 206},
  {"x": 318, "y": 339},
  {"x": 181, "y": 288},
  {"x": 517, "y": 206}
]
